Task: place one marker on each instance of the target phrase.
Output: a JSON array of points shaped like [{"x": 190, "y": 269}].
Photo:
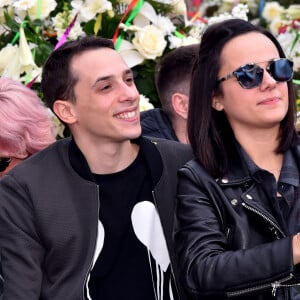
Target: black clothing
[
  {"x": 49, "y": 218},
  {"x": 122, "y": 268},
  {"x": 230, "y": 239},
  {"x": 155, "y": 123}
]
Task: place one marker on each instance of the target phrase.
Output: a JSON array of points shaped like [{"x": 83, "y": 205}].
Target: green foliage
[{"x": 144, "y": 80}]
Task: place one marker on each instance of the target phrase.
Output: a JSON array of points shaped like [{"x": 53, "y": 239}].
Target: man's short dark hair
[
  {"x": 173, "y": 74},
  {"x": 57, "y": 79}
]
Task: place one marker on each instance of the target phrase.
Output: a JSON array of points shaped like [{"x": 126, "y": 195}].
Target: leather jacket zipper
[
  {"x": 267, "y": 219},
  {"x": 277, "y": 283},
  {"x": 274, "y": 287}
]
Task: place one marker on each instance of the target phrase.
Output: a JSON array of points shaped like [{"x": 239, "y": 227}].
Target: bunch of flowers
[
  {"x": 218, "y": 7},
  {"x": 142, "y": 30},
  {"x": 285, "y": 24}
]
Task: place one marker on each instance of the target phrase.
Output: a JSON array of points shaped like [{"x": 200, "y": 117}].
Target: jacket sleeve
[
  {"x": 21, "y": 250},
  {"x": 208, "y": 267}
]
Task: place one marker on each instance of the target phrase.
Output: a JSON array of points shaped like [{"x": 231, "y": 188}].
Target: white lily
[
  {"x": 24, "y": 50},
  {"x": 145, "y": 16},
  {"x": 131, "y": 56}
]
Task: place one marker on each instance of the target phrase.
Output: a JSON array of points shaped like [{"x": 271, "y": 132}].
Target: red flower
[
  {"x": 296, "y": 24},
  {"x": 282, "y": 29}
]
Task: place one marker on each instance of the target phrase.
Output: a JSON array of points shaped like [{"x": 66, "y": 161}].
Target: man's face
[{"x": 107, "y": 101}]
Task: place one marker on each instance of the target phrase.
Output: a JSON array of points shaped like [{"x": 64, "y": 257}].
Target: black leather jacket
[{"x": 228, "y": 243}]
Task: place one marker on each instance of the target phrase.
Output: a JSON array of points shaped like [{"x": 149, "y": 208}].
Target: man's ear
[
  {"x": 180, "y": 103},
  {"x": 217, "y": 103},
  {"x": 64, "y": 110}
]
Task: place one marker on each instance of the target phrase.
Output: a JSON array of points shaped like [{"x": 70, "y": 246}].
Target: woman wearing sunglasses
[
  {"x": 238, "y": 210},
  {"x": 25, "y": 124}
]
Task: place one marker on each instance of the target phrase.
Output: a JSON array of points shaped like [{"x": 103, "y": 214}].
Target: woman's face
[{"x": 260, "y": 107}]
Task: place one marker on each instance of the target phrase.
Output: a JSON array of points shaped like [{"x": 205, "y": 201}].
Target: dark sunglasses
[
  {"x": 251, "y": 75},
  {"x": 4, "y": 163}
]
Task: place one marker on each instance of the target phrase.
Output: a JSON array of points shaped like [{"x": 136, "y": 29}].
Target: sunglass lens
[
  {"x": 249, "y": 76},
  {"x": 281, "y": 69}
]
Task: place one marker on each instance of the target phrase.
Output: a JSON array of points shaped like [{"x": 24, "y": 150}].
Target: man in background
[{"x": 172, "y": 80}]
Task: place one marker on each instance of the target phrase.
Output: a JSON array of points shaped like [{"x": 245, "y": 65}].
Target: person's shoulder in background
[{"x": 155, "y": 123}]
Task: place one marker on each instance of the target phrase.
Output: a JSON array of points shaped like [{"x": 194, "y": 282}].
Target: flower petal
[{"x": 24, "y": 50}]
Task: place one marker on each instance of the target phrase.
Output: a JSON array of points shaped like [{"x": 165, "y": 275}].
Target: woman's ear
[
  {"x": 217, "y": 103},
  {"x": 64, "y": 110}
]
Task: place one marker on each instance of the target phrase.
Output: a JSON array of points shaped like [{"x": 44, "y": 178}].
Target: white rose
[
  {"x": 294, "y": 11},
  {"x": 272, "y": 10},
  {"x": 150, "y": 42}
]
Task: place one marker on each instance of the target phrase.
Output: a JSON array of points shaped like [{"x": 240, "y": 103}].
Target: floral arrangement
[
  {"x": 285, "y": 24},
  {"x": 143, "y": 31}
]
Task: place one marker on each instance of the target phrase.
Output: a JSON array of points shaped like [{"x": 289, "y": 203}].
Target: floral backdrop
[{"x": 142, "y": 30}]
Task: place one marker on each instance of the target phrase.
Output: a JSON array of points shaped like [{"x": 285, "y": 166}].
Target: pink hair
[{"x": 25, "y": 124}]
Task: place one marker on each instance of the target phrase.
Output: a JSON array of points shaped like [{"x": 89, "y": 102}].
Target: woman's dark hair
[
  {"x": 57, "y": 78},
  {"x": 209, "y": 131}
]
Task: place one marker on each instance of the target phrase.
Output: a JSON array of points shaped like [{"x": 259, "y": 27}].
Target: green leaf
[{"x": 11, "y": 23}]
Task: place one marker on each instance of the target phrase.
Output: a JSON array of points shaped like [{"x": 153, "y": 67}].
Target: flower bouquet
[{"x": 143, "y": 31}]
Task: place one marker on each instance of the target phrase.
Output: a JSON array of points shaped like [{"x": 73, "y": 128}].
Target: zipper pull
[{"x": 275, "y": 286}]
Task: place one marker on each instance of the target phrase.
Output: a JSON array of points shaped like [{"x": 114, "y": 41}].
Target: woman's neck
[{"x": 261, "y": 147}]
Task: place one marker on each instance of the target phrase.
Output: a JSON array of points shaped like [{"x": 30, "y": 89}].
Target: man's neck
[
  {"x": 108, "y": 158},
  {"x": 181, "y": 131}
]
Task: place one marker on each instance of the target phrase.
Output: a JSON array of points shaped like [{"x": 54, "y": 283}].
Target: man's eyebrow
[{"x": 102, "y": 78}]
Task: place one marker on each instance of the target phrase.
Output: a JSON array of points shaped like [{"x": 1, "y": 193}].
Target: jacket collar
[
  {"x": 147, "y": 147},
  {"x": 237, "y": 170},
  {"x": 79, "y": 162}
]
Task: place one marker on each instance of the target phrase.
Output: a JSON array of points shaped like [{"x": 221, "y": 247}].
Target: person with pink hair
[{"x": 26, "y": 125}]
